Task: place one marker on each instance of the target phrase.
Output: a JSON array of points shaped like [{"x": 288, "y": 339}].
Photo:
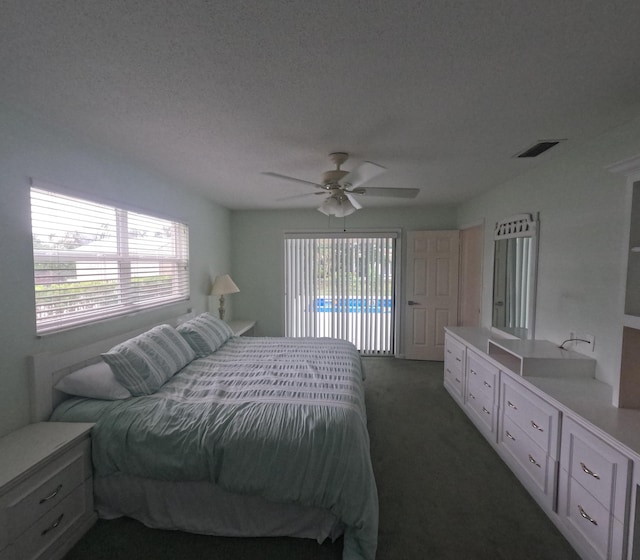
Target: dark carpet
[{"x": 444, "y": 493}]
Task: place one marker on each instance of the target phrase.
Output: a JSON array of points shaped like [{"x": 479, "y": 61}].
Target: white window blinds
[
  {"x": 94, "y": 261},
  {"x": 341, "y": 286}
]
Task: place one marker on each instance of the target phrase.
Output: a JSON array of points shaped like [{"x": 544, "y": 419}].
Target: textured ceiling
[{"x": 211, "y": 93}]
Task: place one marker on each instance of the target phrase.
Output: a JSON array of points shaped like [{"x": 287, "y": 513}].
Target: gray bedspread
[{"x": 283, "y": 418}]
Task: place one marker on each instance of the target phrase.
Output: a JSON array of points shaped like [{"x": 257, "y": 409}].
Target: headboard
[{"x": 47, "y": 368}]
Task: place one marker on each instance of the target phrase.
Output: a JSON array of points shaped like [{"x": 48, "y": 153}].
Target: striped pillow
[
  {"x": 205, "y": 333},
  {"x": 144, "y": 363}
]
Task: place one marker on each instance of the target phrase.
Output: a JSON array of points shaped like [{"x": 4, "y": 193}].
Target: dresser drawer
[
  {"x": 594, "y": 529},
  {"x": 483, "y": 410},
  {"x": 454, "y": 356},
  {"x": 482, "y": 377},
  {"x": 453, "y": 382},
  {"x": 533, "y": 460},
  {"x": 598, "y": 467},
  {"x": 453, "y": 367},
  {"x": 535, "y": 417}
]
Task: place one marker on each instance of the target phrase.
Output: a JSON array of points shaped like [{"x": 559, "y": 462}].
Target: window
[
  {"x": 94, "y": 261},
  {"x": 341, "y": 286}
]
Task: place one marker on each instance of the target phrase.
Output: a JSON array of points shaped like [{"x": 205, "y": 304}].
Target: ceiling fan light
[
  {"x": 330, "y": 206},
  {"x": 345, "y": 209},
  {"x": 333, "y": 206}
]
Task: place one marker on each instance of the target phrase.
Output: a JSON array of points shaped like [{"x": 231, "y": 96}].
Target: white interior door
[{"x": 431, "y": 290}]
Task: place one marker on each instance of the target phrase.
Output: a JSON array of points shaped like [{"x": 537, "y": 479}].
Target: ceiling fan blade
[
  {"x": 363, "y": 173},
  {"x": 391, "y": 192},
  {"x": 353, "y": 200},
  {"x": 303, "y": 195},
  {"x": 294, "y": 179}
]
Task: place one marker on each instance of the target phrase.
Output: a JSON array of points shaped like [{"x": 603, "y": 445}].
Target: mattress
[{"x": 282, "y": 419}]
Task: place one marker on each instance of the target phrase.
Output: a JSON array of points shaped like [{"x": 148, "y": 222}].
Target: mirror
[{"x": 514, "y": 275}]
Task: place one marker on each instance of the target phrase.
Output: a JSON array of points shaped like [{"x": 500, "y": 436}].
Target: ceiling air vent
[{"x": 537, "y": 149}]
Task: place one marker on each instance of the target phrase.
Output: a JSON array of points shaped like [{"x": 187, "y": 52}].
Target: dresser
[
  {"x": 553, "y": 424},
  {"x": 46, "y": 490}
]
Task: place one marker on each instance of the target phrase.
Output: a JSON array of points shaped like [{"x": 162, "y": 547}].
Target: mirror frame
[{"x": 519, "y": 225}]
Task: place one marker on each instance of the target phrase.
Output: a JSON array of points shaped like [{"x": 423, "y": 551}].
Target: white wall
[
  {"x": 581, "y": 252},
  {"x": 29, "y": 148},
  {"x": 258, "y": 251},
  {"x": 581, "y": 265}
]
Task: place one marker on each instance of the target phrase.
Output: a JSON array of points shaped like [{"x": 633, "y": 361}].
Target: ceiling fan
[{"x": 343, "y": 185}]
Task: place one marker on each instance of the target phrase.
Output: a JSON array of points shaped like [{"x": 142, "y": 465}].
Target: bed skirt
[{"x": 202, "y": 507}]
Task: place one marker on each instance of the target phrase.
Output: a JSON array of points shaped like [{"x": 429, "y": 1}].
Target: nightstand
[
  {"x": 46, "y": 490},
  {"x": 242, "y": 328}
]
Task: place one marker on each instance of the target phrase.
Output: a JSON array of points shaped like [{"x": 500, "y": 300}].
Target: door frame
[
  {"x": 398, "y": 283},
  {"x": 481, "y": 224}
]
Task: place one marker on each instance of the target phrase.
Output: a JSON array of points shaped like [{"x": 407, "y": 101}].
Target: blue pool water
[{"x": 353, "y": 305}]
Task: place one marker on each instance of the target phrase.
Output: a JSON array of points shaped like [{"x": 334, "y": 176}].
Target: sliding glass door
[{"x": 342, "y": 286}]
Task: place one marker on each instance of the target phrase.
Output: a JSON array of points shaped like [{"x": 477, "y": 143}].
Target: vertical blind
[
  {"x": 517, "y": 308},
  {"x": 341, "y": 286},
  {"x": 93, "y": 261}
]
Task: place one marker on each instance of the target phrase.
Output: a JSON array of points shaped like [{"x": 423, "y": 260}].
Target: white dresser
[
  {"x": 553, "y": 424},
  {"x": 46, "y": 490}
]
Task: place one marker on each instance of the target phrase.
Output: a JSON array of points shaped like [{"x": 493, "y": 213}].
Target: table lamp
[{"x": 222, "y": 286}]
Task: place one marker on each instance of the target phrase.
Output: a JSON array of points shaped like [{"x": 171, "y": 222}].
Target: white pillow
[{"x": 95, "y": 382}]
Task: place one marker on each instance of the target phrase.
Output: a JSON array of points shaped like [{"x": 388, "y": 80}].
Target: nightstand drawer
[
  {"x": 46, "y": 490},
  {"x": 52, "y": 525},
  {"x": 34, "y": 497}
]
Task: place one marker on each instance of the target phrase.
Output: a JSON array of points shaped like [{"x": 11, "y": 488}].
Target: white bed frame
[{"x": 198, "y": 507}]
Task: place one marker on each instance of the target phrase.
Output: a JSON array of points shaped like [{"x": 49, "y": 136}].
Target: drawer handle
[
  {"x": 458, "y": 359},
  {"x": 487, "y": 384},
  {"x": 472, "y": 396},
  {"x": 448, "y": 370},
  {"x": 485, "y": 410},
  {"x": 511, "y": 405},
  {"x": 52, "y": 495},
  {"x": 510, "y": 436},
  {"x": 448, "y": 351},
  {"x": 587, "y": 470},
  {"x": 536, "y": 427},
  {"x": 55, "y": 525},
  {"x": 457, "y": 380},
  {"x": 533, "y": 461},
  {"x": 473, "y": 371},
  {"x": 586, "y": 516}
]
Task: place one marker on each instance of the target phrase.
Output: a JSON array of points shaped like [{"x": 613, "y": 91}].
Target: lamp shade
[{"x": 223, "y": 285}]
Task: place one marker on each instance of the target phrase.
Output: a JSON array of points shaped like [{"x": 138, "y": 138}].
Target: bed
[{"x": 259, "y": 437}]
